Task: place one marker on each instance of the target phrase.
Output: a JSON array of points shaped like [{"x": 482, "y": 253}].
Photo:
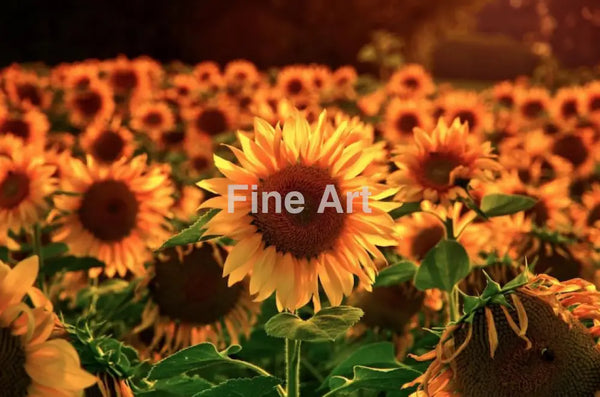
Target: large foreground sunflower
[
  {"x": 190, "y": 301},
  {"x": 289, "y": 253},
  {"x": 33, "y": 363},
  {"x": 542, "y": 342},
  {"x": 117, "y": 214}
]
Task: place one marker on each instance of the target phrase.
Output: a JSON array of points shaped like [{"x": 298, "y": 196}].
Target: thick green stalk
[{"x": 292, "y": 366}]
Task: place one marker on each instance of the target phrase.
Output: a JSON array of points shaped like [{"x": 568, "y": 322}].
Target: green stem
[
  {"x": 449, "y": 229},
  {"x": 453, "y": 304},
  {"x": 37, "y": 247},
  {"x": 260, "y": 371},
  {"x": 292, "y": 366},
  {"x": 313, "y": 371}
]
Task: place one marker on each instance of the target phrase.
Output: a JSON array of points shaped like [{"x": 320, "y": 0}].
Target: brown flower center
[
  {"x": 467, "y": 116},
  {"x": 212, "y": 121},
  {"x": 411, "y": 83},
  {"x": 594, "y": 103},
  {"x": 152, "y": 119},
  {"x": 568, "y": 108},
  {"x": 13, "y": 189},
  {"x": 29, "y": 92},
  {"x": 109, "y": 210},
  {"x": 88, "y": 103},
  {"x": 532, "y": 109},
  {"x": 506, "y": 100},
  {"x": 294, "y": 86},
  {"x": 308, "y": 233},
  {"x": 16, "y": 127},
  {"x": 124, "y": 79},
  {"x": 193, "y": 290},
  {"x": 406, "y": 122},
  {"x": 563, "y": 266},
  {"x": 108, "y": 147},
  {"x": 594, "y": 215},
  {"x": 200, "y": 163},
  {"x": 563, "y": 359},
  {"x": 425, "y": 240},
  {"x": 172, "y": 137},
  {"x": 390, "y": 307},
  {"x": 437, "y": 168},
  {"x": 14, "y": 380},
  {"x": 571, "y": 148}
]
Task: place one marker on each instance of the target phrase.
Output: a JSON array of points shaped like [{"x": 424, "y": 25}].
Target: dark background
[{"x": 456, "y": 38}]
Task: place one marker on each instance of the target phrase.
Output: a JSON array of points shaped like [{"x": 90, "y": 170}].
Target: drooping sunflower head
[
  {"x": 403, "y": 116},
  {"x": 107, "y": 143},
  {"x": 536, "y": 339},
  {"x": 119, "y": 213},
  {"x": 439, "y": 164},
  {"x": 411, "y": 81},
  {"x": 290, "y": 251},
  {"x": 190, "y": 301}
]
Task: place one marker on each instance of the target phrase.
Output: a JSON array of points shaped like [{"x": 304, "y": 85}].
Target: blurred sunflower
[
  {"x": 107, "y": 143},
  {"x": 541, "y": 342},
  {"x": 26, "y": 89},
  {"x": 343, "y": 80},
  {"x": 190, "y": 301},
  {"x": 152, "y": 118},
  {"x": 127, "y": 77},
  {"x": 118, "y": 214},
  {"x": 185, "y": 89},
  {"x": 293, "y": 81},
  {"x": 290, "y": 253},
  {"x": 503, "y": 94},
  {"x": 580, "y": 149},
  {"x": 92, "y": 104},
  {"x": 208, "y": 75},
  {"x": 532, "y": 104},
  {"x": 402, "y": 116},
  {"x": 199, "y": 150},
  {"x": 30, "y": 126},
  {"x": 411, "y": 81},
  {"x": 240, "y": 73},
  {"x": 188, "y": 200},
  {"x": 80, "y": 76},
  {"x": 591, "y": 106},
  {"x": 587, "y": 215},
  {"x": 468, "y": 108},
  {"x": 34, "y": 363},
  {"x": 26, "y": 182},
  {"x": 213, "y": 119},
  {"x": 441, "y": 164},
  {"x": 566, "y": 106},
  {"x": 320, "y": 77}
]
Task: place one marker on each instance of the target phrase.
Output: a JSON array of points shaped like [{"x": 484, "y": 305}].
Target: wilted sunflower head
[{"x": 530, "y": 340}]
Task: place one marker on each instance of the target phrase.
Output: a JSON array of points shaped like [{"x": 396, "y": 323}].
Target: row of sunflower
[{"x": 126, "y": 264}]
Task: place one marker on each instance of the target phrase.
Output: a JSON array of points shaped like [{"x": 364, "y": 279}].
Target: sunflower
[
  {"x": 199, "y": 150},
  {"x": 211, "y": 119},
  {"x": 468, "y": 108},
  {"x": 567, "y": 106},
  {"x": 118, "y": 214},
  {"x": 290, "y": 253},
  {"x": 418, "y": 234},
  {"x": 441, "y": 163},
  {"x": 26, "y": 89},
  {"x": 241, "y": 73},
  {"x": 107, "y": 143},
  {"x": 293, "y": 81},
  {"x": 580, "y": 149},
  {"x": 320, "y": 77},
  {"x": 411, "y": 81},
  {"x": 92, "y": 104},
  {"x": 188, "y": 200},
  {"x": 371, "y": 104},
  {"x": 25, "y": 184},
  {"x": 542, "y": 343},
  {"x": 587, "y": 215},
  {"x": 190, "y": 302},
  {"x": 591, "y": 107},
  {"x": 532, "y": 104},
  {"x": 153, "y": 118},
  {"x": 402, "y": 116},
  {"x": 185, "y": 89},
  {"x": 503, "y": 94},
  {"x": 209, "y": 75},
  {"x": 34, "y": 363},
  {"x": 343, "y": 80},
  {"x": 30, "y": 126},
  {"x": 127, "y": 77},
  {"x": 80, "y": 76}
]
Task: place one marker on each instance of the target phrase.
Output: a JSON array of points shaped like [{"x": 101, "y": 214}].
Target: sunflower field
[{"x": 144, "y": 250}]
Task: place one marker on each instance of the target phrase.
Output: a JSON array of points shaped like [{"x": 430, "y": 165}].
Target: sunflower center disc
[
  {"x": 569, "y": 108},
  {"x": 194, "y": 290},
  {"x": 563, "y": 359},
  {"x": 153, "y": 119},
  {"x": 594, "y": 215},
  {"x": 437, "y": 168},
  {"x": 594, "y": 103},
  {"x": 124, "y": 79},
  {"x": 108, "y": 147},
  {"x": 411, "y": 83},
  {"x": 212, "y": 121},
  {"x": 466, "y": 116},
  {"x": 29, "y": 92},
  {"x": 13, "y": 189},
  {"x": 294, "y": 86},
  {"x": 109, "y": 210},
  {"x": 172, "y": 137},
  {"x": 88, "y": 103},
  {"x": 308, "y": 233},
  {"x": 406, "y": 123},
  {"x": 14, "y": 380},
  {"x": 16, "y": 127},
  {"x": 572, "y": 149},
  {"x": 532, "y": 109}
]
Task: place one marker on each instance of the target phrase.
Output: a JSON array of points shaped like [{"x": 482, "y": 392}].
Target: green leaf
[
  {"x": 192, "y": 234},
  {"x": 395, "y": 274},
  {"x": 4, "y": 254},
  {"x": 186, "y": 360},
  {"x": 405, "y": 209},
  {"x": 243, "y": 387},
  {"x": 443, "y": 266},
  {"x": 378, "y": 355},
  {"x": 69, "y": 264},
  {"x": 178, "y": 386},
  {"x": 505, "y": 204},
  {"x": 327, "y": 324},
  {"x": 54, "y": 249},
  {"x": 384, "y": 379}
]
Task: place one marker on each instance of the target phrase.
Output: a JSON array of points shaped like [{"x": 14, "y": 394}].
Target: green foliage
[
  {"x": 396, "y": 274},
  {"x": 505, "y": 204},
  {"x": 384, "y": 379},
  {"x": 405, "y": 209},
  {"x": 257, "y": 386},
  {"x": 443, "y": 267},
  {"x": 56, "y": 264},
  {"x": 325, "y": 325},
  {"x": 192, "y": 234}
]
